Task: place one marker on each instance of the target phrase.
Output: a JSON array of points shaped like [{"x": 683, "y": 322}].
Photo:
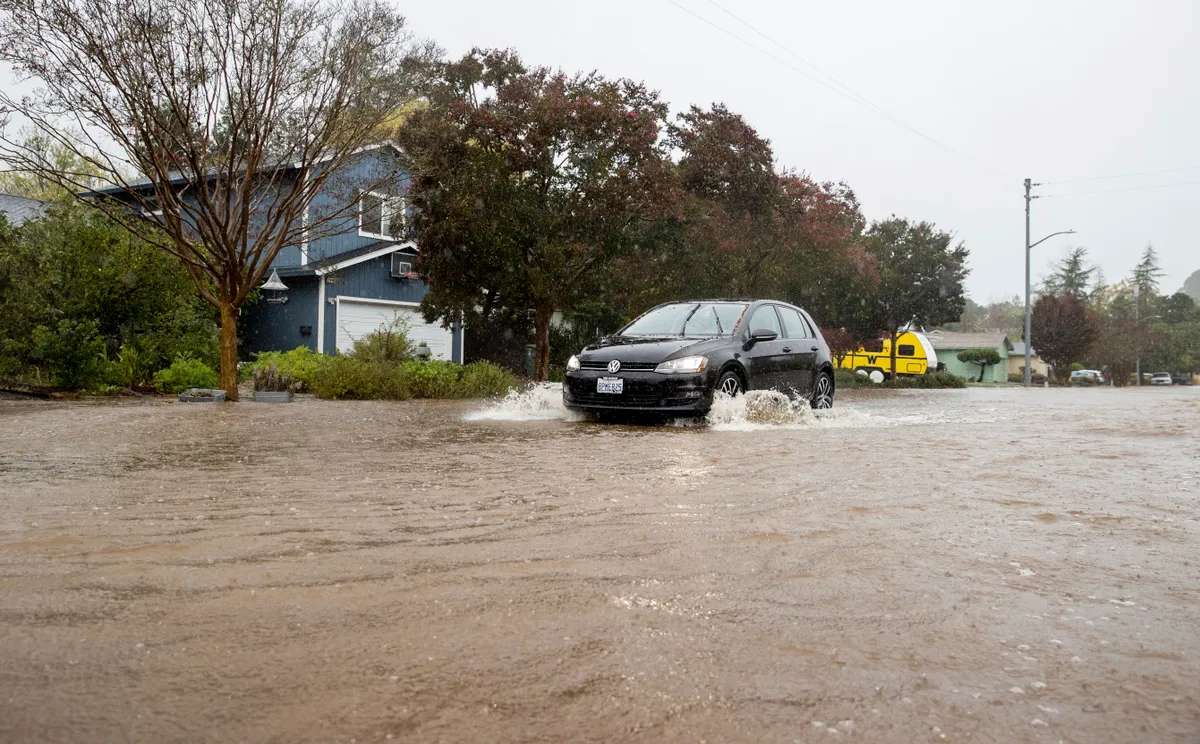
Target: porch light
[{"x": 276, "y": 289}]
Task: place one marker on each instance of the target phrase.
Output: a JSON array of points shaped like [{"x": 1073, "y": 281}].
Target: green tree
[
  {"x": 983, "y": 357},
  {"x": 1071, "y": 275},
  {"x": 1147, "y": 273},
  {"x": 529, "y": 184},
  {"x": 1064, "y": 329},
  {"x": 216, "y": 95},
  {"x": 77, "y": 267},
  {"x": 921, "y": 273}
]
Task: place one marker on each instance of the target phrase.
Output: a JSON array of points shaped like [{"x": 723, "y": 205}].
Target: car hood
[{"x": 647, "y": 349}]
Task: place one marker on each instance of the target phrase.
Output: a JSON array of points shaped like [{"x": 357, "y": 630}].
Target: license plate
[{"x": 610, "y": 385}]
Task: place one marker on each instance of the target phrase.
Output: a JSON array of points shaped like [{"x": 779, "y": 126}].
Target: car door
[
  {"x": 767, "y": 361},
  {"x": 801, "y": 349}
]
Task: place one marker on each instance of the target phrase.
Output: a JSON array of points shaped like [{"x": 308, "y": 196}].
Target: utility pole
[
  {"x": 1028, "y": 318},
  {"x": 1028, "y": 314},
  {"x": 1137, "y": 322}
]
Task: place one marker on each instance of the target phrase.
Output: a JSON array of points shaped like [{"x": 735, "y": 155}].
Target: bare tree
[{"x": 229, "y": 121}]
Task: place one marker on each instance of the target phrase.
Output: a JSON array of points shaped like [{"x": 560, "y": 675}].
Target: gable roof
[
  {"x": 949, "y": 340},
  {"x": 179, "y": 179},
  {"x": 18, "y": 209},
  {"x": 1018, "y": 348}
]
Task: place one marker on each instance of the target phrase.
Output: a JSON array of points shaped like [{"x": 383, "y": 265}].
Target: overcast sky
[
  {"x": 1047, "y": 90},
  {"x": 1054, "y": 91}
]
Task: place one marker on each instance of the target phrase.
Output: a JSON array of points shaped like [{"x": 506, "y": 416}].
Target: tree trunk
[
  {"x": 229, "y": 357},
  {"x": 893, "y": 353},
  {"x": 541, "y": 357},
  {"x": 982, "y": 367}
]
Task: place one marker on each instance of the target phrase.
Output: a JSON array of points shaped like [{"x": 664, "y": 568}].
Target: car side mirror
[{"x": 762, "y": 334}]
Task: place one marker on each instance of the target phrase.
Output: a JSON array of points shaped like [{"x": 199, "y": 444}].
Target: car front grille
[
  {"x": 638, "y": 394},
  {"x": 631, "y": 366}
]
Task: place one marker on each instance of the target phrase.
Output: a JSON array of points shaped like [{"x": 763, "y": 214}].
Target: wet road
[{"x": 991, "y": 565}]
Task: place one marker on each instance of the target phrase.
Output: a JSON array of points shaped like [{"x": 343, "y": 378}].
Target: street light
[{"x": 1028, "y": 316}]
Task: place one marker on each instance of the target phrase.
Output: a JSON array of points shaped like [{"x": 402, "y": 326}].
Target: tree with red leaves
[
  {"x": 528, "y": 183},
  {"x": 1064, "y": 329}
]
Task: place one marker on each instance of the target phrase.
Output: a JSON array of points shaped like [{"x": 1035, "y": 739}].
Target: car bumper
[{"x": 644, "y": 391}]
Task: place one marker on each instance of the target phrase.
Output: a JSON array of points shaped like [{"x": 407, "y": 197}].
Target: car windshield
[{"x": 688, "y": 319}]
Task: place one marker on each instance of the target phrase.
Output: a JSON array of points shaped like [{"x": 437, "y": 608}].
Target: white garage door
[{"x": 357, "y": 318}]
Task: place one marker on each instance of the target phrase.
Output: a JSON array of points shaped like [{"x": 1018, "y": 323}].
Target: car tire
[
  {"x": 730, "y": 383},
  {"x": 822, "y": 394}
]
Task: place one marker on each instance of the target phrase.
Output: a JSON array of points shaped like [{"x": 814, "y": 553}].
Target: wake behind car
[{"x": 676, "y": 356}]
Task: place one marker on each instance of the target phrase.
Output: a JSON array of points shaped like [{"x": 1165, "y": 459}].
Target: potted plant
[
  {"x": 201, "y": 395},
  {"x": 271, "y": 385}
]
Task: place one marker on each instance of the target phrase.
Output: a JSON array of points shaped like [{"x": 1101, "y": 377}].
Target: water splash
[
  {"x": 534, "y": 402},
  {"x": 768, "y": 409}
]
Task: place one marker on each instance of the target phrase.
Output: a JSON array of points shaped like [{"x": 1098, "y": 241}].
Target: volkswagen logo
[{"x": 614, "y": 367}]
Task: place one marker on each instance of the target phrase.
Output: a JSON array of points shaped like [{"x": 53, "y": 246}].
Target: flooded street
[{"x": 988, "y": 565}]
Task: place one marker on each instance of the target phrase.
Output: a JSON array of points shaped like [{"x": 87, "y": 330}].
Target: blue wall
[
  {"x": 267, "y": 327},
  {"x": 277, "y": 327}
]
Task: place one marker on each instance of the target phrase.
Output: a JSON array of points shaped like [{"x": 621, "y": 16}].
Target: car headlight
[
  {"x": 572, "y": 363},
  {"x": 685, "y": 365}
]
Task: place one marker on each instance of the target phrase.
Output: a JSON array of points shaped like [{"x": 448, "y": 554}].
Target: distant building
[
  {"x": 19, "y": 209},
  {"x": 948, "y": 345},
  {"x": 1016, "y": 361}
]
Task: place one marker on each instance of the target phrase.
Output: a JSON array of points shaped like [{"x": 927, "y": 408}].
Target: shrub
[
  {"x": 484, "y": 380},
  {"x": 268, "y": 379},
  {"x": 432, "y": 379},
  {"x": 389, "y": 344},
  {"x": 848, "y": 378},
  {"x": 130, "y": 369},
  {"x": 73, "y": 350},
  {"x": 938, "y": 380},
  {"x": 185, "y": 373},
  {"x": 300, "y": 364},
  {"x": 347, "y": 378}
]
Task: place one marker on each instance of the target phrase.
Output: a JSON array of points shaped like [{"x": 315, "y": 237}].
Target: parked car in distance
[
  {"x": 1182, "y": 379},
  {"x": 1161, "y": 378},
  {"x": 675, "y": 357},
  {"x": 1094, "y": 376}
]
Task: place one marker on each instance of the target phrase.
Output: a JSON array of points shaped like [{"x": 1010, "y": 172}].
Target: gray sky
[
  {"x": 1049, "y": 90},
  {"x": 1059, "y": 90}
]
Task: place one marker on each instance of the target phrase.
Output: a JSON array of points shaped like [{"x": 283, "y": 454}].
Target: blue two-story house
[{"x": 354, "y": 277}]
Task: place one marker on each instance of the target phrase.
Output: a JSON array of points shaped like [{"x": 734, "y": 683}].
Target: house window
[
  {"x": 380, "y": 216},
  {"x": 906, "y": 350}
]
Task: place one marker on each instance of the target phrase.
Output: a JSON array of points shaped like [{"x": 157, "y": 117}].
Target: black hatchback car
[{"x": 675, "y": 357}]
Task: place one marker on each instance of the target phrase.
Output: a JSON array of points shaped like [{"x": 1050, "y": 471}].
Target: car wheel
[
  {"x": 729, "y": 383},
  {"x": 822, "y": 396}
]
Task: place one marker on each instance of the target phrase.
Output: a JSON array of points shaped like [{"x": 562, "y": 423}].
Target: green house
[{"x": 948, "y": 345}]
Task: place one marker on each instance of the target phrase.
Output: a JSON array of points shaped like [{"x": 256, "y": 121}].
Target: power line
[
  {"x": 1113, "y": 191},
  {"x": 1123, "y": 175},
  {"x": 848, "y": 93}
]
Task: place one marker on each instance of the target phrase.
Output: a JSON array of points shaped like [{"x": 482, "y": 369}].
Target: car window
[
  {"x": 702, "y": 323},
  {"x": 667, "y": 320},
  {"x": 730, "y": 315},
  {"x": 764, "y": 319},
  {"x": 794, "y": 323},
  {"x": 906, "y": 350}
]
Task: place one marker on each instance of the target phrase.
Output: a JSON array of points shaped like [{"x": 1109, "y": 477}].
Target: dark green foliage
[
  {"x": 1071, "y": 276},
  {"x": 1036, "y": 378},
  {"x": 185, "y": 373},
  {"x": 983, "y": 357},
  {"x": 71, "y": 349},
  {"x": 76, "y": 266}
]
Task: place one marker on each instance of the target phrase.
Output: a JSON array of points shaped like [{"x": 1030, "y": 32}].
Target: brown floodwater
[{"x": 989, "y": 565}]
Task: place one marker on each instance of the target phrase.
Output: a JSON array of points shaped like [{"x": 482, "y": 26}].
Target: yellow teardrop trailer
[{"x": 914, "y": 356}]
